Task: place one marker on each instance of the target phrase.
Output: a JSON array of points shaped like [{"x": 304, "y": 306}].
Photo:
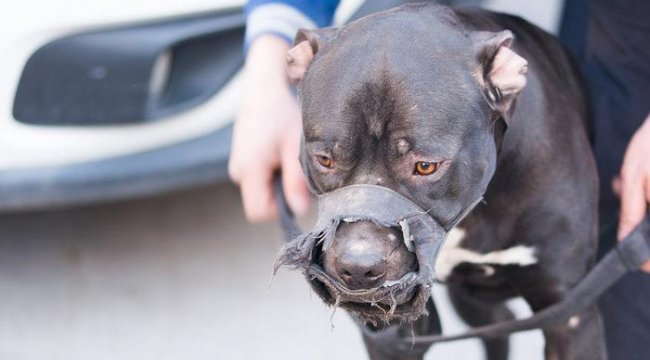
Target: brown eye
[
  {"x": 324, "y": 161},
  {"x": 425, "y": 168}
]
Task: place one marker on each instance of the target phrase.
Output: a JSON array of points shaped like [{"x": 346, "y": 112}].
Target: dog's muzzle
[{"x": 422, "y": 233}]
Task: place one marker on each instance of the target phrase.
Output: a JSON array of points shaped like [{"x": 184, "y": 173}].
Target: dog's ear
[
  {"x": 306, "y": 45},
  {"x": 502, "y": 71}
]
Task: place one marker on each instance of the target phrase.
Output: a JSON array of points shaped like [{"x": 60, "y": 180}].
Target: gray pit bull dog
[{"x": 439, "y": 108}]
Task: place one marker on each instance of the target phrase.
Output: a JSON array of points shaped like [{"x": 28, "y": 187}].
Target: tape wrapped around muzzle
[{"x": 384, "y": 207}]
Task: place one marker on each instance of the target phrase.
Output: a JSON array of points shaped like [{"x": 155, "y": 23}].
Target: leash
[
  {"x": 287, "y": 220},
  {"x": 627, "y": 256}
]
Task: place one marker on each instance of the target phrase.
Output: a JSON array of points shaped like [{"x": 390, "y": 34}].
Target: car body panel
[{"x": 24, "y": 146}]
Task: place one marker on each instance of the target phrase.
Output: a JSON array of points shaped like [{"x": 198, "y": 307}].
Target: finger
[
  {"x": 233, "y": 172},
  {"x": 647, "y": 192},
  {"x": 257, "y": 196},
  {"x": 633, "y": 204},
  {"x": 293, "y": 182},
  {"x": 234, "y": 162},
  {"x": 616, "y": 186},
  {"x": 646, "y": 266}
]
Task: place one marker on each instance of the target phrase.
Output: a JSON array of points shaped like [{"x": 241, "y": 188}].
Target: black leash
[
  {"x": 287, "y": 220},
  {"x": 627, "y": 256}
]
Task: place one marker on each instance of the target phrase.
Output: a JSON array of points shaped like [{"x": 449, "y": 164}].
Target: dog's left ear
[
  {"x": 502, "y": 71},
  {"x": 306, "y": 44}
]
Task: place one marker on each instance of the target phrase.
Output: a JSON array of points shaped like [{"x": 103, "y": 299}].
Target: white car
[{"x": 109, "y": 99}]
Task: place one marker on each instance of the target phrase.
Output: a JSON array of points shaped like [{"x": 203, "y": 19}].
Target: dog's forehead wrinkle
[
  {"x": 340, "y": 147},
  {"x": 403, "y": 146},
  {"x": 319, "y": 145},
  {"x": 377, "y": 105},
  {"x": 435, "y": 146}
]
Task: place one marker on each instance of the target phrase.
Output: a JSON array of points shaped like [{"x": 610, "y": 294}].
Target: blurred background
[{"x": 120, "y": 236}]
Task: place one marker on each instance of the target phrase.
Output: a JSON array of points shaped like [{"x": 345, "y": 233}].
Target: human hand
[
  {"x": 634, "y": 183},
  {"x": 266, "y": 134}
]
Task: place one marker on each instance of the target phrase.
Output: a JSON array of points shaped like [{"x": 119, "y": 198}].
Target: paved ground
[{"x": 175, "y": 277}]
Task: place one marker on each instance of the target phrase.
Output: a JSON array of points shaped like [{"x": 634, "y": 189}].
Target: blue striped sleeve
[{"x": 285, "y": 17}]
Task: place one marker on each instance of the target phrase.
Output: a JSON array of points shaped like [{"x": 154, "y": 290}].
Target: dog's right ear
[{"x": 306, "y": 45}]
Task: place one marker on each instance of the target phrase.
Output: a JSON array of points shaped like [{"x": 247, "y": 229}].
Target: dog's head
[{"x": 411, "y": 101}]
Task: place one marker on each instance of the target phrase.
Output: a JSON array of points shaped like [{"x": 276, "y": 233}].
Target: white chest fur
[{"x": 453, "y": 254}]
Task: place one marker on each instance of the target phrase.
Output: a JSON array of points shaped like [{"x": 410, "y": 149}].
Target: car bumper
[{"x": 202, "y": 160}]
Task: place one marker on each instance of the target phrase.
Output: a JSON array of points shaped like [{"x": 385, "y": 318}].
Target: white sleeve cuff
[{"x": 279, "y": 19}]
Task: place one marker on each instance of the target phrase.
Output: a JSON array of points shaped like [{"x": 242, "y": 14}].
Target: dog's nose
[{"x": 361, "y": 267}]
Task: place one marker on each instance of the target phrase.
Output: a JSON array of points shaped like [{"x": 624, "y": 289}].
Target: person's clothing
[
  {"x": 626, "y": 316},
  {"x": 615, "y": 59},
  {"x": 285, "y": 17},
  {"x": 618, "y": 74}
]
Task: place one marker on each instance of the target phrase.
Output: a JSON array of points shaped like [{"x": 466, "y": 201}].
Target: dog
[{"x": 446, "y": 107}]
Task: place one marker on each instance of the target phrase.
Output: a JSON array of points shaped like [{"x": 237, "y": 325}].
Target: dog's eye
[
  {"x": 324, "y": 161},
  {"x": 425, "y": 168}
]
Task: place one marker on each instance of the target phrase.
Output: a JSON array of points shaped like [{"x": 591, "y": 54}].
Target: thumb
[
  {"x": 616, "y": 186},
  {"x": 633, "y": 205},
  {"x": 293, "y": 182}
]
